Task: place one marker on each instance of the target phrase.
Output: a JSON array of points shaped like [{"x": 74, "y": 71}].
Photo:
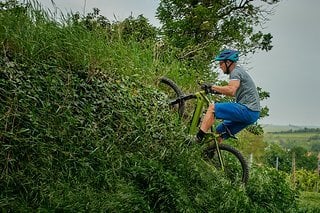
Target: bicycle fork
[
  {"x": 221, "y": 160},
  {"x": 216, "y": 142}
]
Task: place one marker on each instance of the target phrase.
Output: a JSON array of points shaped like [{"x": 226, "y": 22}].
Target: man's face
[{"x": 223, "y": 66}]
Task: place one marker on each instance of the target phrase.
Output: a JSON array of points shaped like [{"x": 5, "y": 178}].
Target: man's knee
[{"x": 211, "y": 108}]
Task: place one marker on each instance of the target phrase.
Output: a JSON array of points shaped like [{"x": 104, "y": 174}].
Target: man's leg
[
  {"x": 208, "y": 119},
  {"x": 229, "y": 128},
  {"x": 207, "y": 122},
  {"x": 235, "y": 116}
]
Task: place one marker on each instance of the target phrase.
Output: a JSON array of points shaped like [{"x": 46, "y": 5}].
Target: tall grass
[
  {"x": 84, "y": 128},
  {"x": 309, "y": 202}
]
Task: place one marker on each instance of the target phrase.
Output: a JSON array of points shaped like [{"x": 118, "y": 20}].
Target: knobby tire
[
  {"x": 178, "y": 93},
  {"x": 236, "y": 167}
]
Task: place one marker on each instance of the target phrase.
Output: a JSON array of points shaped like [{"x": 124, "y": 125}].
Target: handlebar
[{"x": 184, "y": 98}]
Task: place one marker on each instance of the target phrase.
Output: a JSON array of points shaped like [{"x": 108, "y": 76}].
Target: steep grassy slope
[{"x": 83, "y": 127}]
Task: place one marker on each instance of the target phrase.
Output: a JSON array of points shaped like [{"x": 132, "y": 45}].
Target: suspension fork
[
  {"x": 221, "y": 160},
  {"x": 201, "y": 100},
  {"x": 216, "y": 142},
  {"x": 214, "y": 138}
]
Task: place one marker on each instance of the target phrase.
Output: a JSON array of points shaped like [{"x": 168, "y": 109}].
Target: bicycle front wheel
[
  {"x": 173, "y": 92},
  {"x": 232, "y": 163}
]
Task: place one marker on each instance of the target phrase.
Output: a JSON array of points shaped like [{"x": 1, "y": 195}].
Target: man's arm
[{"x": 230, "y": 89}]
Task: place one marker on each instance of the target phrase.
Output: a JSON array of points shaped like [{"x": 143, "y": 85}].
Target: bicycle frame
[{"x": 203, "y": 100}]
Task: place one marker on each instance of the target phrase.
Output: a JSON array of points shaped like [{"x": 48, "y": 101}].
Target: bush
[
  {"x": 307, "y": 180},
  {"x": 309, "y": 202},
  {"x": 270, "y": 190}
]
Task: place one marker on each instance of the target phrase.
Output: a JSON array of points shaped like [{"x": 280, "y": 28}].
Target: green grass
[
  {"x": 309, "y": 202},
  {"x": 293, "y": 136},
  {"x": 290, "y": 140},
  {"x": 285, "y": 128}
]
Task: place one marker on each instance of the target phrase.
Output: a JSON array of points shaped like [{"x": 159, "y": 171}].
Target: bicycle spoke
[{"x": 232, "y": 163}]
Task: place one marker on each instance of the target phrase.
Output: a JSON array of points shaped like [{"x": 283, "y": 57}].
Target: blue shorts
[{"x": 235, "y": 117}]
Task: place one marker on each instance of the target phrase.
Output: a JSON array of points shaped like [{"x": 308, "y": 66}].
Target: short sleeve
[{"x": 235, "y": 75}]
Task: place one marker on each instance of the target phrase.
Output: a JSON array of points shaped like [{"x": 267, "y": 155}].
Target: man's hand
[{"x": 208, "y": 88}]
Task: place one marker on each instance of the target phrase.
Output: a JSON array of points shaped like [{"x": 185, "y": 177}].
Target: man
[{"x": 236, "y": 115}]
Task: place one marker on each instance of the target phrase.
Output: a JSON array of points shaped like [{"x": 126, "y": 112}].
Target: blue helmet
[{"x": 228, "y": 54}]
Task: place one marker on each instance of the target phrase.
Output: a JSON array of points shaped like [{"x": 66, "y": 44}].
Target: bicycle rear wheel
[
  {"x": 233, "y": 163},
  {"x": 173, "y": 92}
]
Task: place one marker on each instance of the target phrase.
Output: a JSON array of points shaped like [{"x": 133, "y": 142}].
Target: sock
[{"x": 200, "y": 135}]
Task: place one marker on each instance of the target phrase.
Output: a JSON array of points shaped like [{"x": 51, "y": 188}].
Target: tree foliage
[
  {"x": 303, "y": 159},
  {"x": 307, "y": 180},
  {"x": 138, "y": 28},
  {"x": 200, "y": 27}
]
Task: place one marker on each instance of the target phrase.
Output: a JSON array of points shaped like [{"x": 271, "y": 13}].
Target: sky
[{"x": 290, "y": 71}]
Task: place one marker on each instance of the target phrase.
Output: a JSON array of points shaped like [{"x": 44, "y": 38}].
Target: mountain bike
[{"x": 222, "y": 156}]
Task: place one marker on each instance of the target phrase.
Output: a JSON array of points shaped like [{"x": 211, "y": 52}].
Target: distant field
[
  {"x": 290, "y": 136},
  {"x": 282, "y": 128},
  {"x": 289, "y": 140}
]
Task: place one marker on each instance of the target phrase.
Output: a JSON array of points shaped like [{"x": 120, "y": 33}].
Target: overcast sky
[{"x": 290, "y": 71}]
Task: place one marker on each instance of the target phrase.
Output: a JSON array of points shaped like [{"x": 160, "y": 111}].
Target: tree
[
  {"x": 304, "y": 159},
  {"x": 274, "y": 152},
  {"x": 138, "y": 28},
  {"x": 200, "y": 27},
  {"x": 315, "y": 147}
]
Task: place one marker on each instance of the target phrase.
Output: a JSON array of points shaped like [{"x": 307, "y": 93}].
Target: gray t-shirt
[{"x": 247, "y": 93}]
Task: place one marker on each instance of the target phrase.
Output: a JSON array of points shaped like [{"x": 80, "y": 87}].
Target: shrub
[
  {"x": 271, "y": 191},
  {"x": 307, "y": 180}
]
